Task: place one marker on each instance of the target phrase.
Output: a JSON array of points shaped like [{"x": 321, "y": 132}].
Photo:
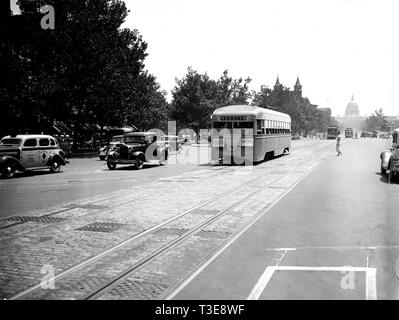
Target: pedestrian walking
[{"x": 338, "y": 147}]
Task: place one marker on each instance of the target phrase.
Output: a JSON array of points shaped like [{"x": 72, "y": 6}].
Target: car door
[
  {"x": 44, "y": 151},
  {"x": 30, "y": 153}
]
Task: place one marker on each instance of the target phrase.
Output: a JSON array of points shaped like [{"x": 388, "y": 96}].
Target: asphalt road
[
  {"x": 335, "y": 235},
  {"x": 79, "y": 179},
  {"x": 83, "y": 178}
]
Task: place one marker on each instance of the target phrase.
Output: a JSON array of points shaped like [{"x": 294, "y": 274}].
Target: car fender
[
  {"x": 136, "y": 154},
  {"x": 7, "y": 159},
  {"x": 58, "y": 157},
  {"x": 385, "y": 157}
]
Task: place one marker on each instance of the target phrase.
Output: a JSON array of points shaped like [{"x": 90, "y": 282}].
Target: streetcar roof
[{"x": 245, "y": 110}]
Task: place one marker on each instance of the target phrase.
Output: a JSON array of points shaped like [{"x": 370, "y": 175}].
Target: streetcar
[
  {"x": 247, "y": 134},
  {"x": 348, "y": 133},
  {"x": 333, "y": 132}
]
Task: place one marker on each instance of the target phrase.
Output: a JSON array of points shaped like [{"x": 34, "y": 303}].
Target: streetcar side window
[
  {"x": 258, "y": 126},
  {"x": 263, "y": 127}
]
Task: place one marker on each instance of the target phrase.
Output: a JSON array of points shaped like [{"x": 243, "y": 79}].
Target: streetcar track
[
  {"x": 138, "y": 265},
  {"x": 89, "y": 203},
  {"x": 69, "y": 209},
  {"x": 113, "y": 282},
  {"x": 52, "y": 224},
  {"x": 134, "y": 237}
]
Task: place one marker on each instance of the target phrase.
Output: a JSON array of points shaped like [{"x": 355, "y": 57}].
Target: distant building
[
  {"x": 352, "y": 109},
  {"x": 352, "y": 118},
  {"x": 297, "y": 87}
]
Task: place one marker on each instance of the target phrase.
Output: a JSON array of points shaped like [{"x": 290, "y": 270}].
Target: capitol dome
[{"x": 352, "y": 109}]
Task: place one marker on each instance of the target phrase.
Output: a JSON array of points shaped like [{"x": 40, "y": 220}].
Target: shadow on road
[
  {"x": 384, "y": 178},
  {"x": 32, "y": 173},
  {"x": 132, "y": 167},
  {"x": 241, "y": 165}
]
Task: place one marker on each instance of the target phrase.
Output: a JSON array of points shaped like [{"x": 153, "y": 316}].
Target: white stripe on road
[
  {"x": 224, "y": 247},
  {"x": 371, "y": 284},
  {"x": 371, "y": 281},
  {"x": 334, "y": 248},
  {"x": 261, "y": 284}
]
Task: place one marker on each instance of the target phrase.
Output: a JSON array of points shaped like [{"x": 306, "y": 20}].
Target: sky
[{"x": 336, "y": 47}]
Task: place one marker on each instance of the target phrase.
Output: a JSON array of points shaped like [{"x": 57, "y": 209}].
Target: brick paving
[{"x": 86, "y": 228}]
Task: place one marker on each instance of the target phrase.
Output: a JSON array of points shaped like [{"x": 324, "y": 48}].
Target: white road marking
[
  {"x": 371, "y": 282},
  {"x": 224, "y": 247},
  {"x": 281, "y": 258},
  {"x": 333, "y": 248},
  {"x": 261, "y": 284}
]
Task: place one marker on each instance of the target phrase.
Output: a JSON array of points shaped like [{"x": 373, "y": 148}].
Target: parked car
[
  {"x": 102, "y": 151},
  {"x": 137, "y": 148},
  {"x": 30, "y": 152},
  {"x": 295, "y": 137},
  {"x": 390, "y": 159},
  {"x": 172, "y": 143},
  {"x": 366, "y": 134}
]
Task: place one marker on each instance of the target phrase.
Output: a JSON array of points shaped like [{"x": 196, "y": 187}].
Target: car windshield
[
  {"x": 11, "y": 141},
  {"x": 134, "y": 139},
  {"x": 116, "y": 139}
]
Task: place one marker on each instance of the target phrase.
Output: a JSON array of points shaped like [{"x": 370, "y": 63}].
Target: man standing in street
[{"x": 338, "y": 146}]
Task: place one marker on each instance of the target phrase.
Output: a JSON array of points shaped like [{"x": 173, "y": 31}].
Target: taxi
[{"x": 30, "y": 152}]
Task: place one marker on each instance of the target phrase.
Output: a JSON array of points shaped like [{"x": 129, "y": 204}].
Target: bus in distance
[
  {"x": 333, "y": 132},
  {"x": 248, "y": 134},
  {"x": 348, "y": 133}
]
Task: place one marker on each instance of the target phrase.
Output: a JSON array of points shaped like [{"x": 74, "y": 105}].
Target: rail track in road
[
  {"x": 150, "y": 230},
  {"x": 109, "y": 283},
  {"x": 96, "y": 205}
]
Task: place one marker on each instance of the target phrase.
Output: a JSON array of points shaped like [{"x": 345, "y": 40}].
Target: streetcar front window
[
  {"x": 222, "y": 125},
  {"x": 233, "y": 125}
]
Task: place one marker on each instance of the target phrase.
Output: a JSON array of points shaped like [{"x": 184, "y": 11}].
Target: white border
[{"x": 371, "y": 282}]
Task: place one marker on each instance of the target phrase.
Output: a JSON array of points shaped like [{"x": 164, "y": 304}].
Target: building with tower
[
  {"x": 352, "y": 109},
  {"x": 297, "y": 87},
  {"x": 352, "y": 117}
]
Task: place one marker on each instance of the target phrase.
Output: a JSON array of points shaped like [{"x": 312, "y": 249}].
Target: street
[
  {"x": 308, "y": 225},
  {"x": 79, "y": 179},
  {"x": 323, "y": 240}
]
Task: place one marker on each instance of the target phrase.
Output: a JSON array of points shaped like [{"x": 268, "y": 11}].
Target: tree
[
  {"x": 193, "y": 100},
  {"x": 196, "y": 96},
  {"x": 376, "y": 121},
  {"x": 86, "y": 71},
  {"x": 305, "y": 116}
]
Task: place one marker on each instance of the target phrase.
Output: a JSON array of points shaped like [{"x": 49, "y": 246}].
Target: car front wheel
[
  {"x": 8, "y": 171},
  {"x": 55, "y": 166},
  {"x": 139, "y": 163},
  {"x": 111, "y": 166}
]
